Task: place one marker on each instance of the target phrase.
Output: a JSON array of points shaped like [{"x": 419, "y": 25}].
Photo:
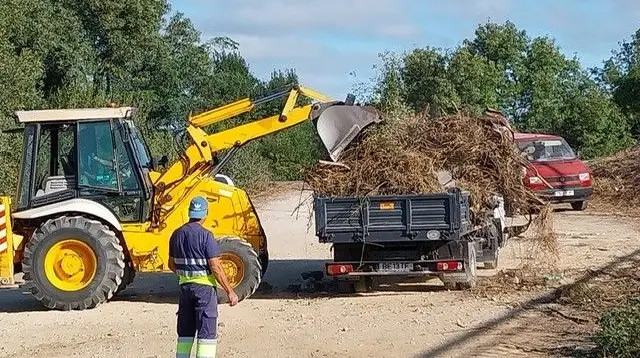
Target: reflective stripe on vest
[
  {"x": 192, "y": 273},
  {"x": 192, "y": 267},
  {"x": 190, "y": 261}
]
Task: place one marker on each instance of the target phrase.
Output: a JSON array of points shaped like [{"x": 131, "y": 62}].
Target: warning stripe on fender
[
  {"x": 3, "y": 230},
  {"x": 3, "y": 240}
]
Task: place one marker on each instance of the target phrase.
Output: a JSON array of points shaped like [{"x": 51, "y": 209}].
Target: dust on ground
[{"x": 506, "y": 315}]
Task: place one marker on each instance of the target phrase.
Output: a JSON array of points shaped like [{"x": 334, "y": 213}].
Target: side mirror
[{"x": 163, "y": 161}]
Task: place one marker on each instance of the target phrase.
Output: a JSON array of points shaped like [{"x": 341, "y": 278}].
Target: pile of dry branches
[
  {"x": 617, "y": 178},
  {"x": 404, "y": 156}
]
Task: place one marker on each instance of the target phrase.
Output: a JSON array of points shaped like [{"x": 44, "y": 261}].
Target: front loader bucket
[{"x": 338, "y": 124}]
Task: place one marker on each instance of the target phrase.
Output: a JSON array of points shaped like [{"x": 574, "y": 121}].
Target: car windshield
[{"x": 546, "y": 149}]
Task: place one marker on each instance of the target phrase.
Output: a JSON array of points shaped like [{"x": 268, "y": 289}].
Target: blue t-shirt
[{"x": 191, "y": 246}]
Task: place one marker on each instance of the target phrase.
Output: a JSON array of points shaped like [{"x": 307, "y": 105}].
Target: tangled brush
[
  {"x": 617, "y": 177},
  {"x": 406, "y": 156}
]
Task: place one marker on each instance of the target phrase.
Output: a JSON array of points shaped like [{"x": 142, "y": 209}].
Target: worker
[{"x": 194, "y": 255}]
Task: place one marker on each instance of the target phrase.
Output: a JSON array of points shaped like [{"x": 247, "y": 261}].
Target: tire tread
[
  {"x": 107, "y": 241},
  {"x": 254, "y": 272}
]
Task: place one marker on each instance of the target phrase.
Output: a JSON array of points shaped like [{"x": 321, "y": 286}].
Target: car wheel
[{"x": 579, "y": 205}]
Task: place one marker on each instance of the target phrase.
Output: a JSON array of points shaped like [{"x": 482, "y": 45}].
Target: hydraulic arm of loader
[{"x": 336, "y": 122}]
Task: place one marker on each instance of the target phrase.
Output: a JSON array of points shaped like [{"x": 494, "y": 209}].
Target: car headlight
[
  {"x": 584, "y": 176},
  {"x": 535, "y": 180}
]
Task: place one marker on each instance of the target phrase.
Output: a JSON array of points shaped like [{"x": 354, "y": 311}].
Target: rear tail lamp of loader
[
  {"x": 334, "y": 270},
  {"x": 449, "y": 266}
]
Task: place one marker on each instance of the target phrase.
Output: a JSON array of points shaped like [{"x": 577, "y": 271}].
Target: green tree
[
  {"x": 505, "y": 47},
  {"x": 475, "y": 80},
  {"x": 528, "y": 79},
  {"x": 88, "y": 53},
  {"x": 620, "y": 75},
  {"x": 424, "y": 73}
]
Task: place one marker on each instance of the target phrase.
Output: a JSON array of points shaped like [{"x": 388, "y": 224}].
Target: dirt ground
[{"x": 416, "y": 320}]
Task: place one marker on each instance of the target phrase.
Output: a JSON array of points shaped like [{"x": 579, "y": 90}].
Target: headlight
[{"x": 584, "y": 176}]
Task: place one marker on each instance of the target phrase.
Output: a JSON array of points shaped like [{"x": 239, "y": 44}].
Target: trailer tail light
[
  {"x": 449, "y": 266},
  {"x": 334, "y": 270}
]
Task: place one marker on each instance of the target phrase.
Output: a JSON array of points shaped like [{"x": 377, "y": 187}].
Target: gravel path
[{"x": 406, "y": 321}]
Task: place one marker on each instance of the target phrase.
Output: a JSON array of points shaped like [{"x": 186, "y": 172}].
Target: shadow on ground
[
  {"x": 285, "y": 278},
  {"x": 490, "y": 328}
]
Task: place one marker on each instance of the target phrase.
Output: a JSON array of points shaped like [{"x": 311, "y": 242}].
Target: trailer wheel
[
  {"x": 345, "y": 286},
  {"x": 362, "y": 285},
  {"x": 73, "y": 263},
  {"x": 496, "y": 238},
  {"x": 241, "y": 267},
  {"x": 493, "y": 264},
  {"x": 471, "y": 273}
]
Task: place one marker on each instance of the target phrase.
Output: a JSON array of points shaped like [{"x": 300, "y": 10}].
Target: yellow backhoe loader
[{"x": 92, "y": 209}]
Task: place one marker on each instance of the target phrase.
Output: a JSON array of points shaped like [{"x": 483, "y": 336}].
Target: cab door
[{"x": 106, "y": 170}]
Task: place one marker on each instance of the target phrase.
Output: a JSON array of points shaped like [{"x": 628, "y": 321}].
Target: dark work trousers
[{"x": 197, "y": 314}]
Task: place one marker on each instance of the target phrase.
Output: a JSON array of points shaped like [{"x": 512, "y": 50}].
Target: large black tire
[
  {"x": 264, "y": 262},
  {"x": 251, "y": 267},
  {"x": 127, "y": 278},
  {"x": 103, "y": 242}
]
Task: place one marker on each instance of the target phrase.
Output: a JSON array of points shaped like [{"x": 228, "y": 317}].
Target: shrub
[{"x": 619, "y": 334}]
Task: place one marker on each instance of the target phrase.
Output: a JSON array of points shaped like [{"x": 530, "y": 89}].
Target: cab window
[
  {"x": 128, "y": 178},
  {"x": 96, "y": 161}
]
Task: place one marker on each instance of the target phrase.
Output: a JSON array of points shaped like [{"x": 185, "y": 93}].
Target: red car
[{"x": 556, "y": 173}]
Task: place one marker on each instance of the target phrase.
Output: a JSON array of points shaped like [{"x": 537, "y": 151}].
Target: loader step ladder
[{"x": 6, "y": 245}]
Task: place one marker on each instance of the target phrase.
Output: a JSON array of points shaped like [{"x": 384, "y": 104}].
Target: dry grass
[
  {"x": 404, "y": 156},
  {"x": 617, "y": 178}
]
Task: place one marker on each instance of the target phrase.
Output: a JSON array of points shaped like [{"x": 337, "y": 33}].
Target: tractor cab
[{"x": 74, "y": 154}]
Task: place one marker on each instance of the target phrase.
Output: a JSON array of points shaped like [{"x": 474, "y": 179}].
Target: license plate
[
  {"x": 564, "y": 193},
  {"x": 395, "y": 267}
]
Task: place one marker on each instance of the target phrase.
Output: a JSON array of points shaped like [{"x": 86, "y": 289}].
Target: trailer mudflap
[{"x": 6, "y": 245}]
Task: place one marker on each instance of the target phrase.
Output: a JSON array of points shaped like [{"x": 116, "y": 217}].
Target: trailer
[{"x": 408, "y": 235}]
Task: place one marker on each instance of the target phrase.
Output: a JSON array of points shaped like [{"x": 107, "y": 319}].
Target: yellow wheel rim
[
  {"x": 70, "y": 265},
  {"x": 233, "y": 268}
]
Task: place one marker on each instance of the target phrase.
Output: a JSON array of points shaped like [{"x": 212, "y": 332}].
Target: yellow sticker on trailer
[{"x": 387, "y": 206}]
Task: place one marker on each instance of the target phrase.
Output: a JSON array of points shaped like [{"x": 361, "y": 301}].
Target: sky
[{"x": 334, "y": 44}]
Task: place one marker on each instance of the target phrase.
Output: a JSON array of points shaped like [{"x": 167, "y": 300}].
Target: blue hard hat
[{"x": 198, "y": 208}]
